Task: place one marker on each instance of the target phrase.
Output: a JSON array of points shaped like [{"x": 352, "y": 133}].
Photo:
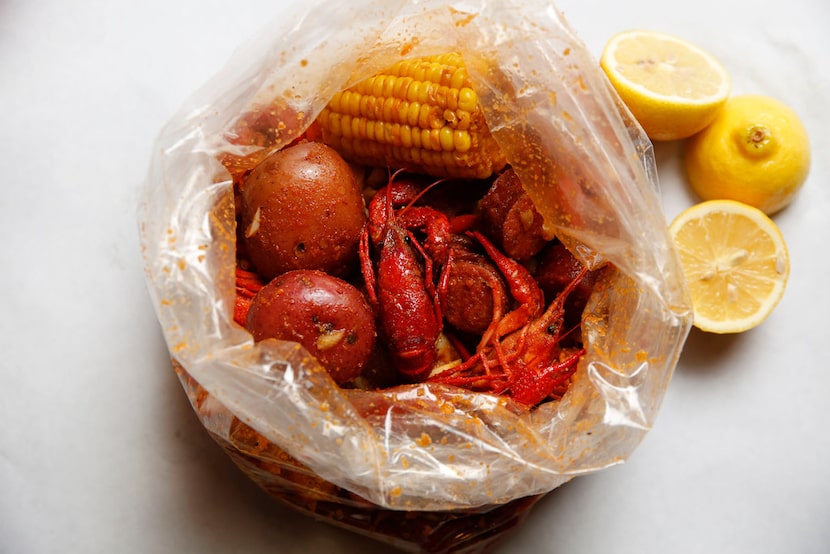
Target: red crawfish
[
  {"x": 520, "y": 354},
  {"x": 401, "y": 288},
  {"x": 248, "y": 284}
]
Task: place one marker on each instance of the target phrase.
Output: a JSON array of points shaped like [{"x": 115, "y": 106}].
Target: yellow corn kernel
[
  {"x": 417, "y": 138},
  {"x": 406, "y": 136},
  {"x": 467, "y": 99},
  {"x": 419, "y": 74},
  {"x": 446, "y": 138},
  {"x": 389, "y": 88},
  {"x": 461, "y": 140},
  {"x": 358, "y": 123},
  {"x": 402, "y": 87},
  {"x": 433, "y": 73},
  {"x": 426, "y": 139},
  {"x": 377, "y": 85},
  {"x": 413, "y": 91},
  {"x": 365, "y": 102},
  {"x": 346, "y": 126},
  {"x": 333, "y": 122},
  {"x": 441, "y": 95},
  {"x": 402, "y": 112},
  {"x": 389, "y": 104},
  {"x": 344, "y": 101},
  {"x": 421, "y": 114},
  {"x": 353, "y": 102},
  {"x": 375, "y": 108},
  {"x": 413, "y": 112},
  {"x": 459, "y": 79},
  {"x": 425, "y": 94}
]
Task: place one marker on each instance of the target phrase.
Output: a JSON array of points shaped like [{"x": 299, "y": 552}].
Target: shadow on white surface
[{"x": 704, "y": 353}]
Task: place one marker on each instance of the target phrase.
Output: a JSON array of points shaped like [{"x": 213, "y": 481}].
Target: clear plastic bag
[{"x": 458, "y": 459}]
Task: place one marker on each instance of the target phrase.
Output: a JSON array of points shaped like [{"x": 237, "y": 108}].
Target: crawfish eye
[{"x": 553, "y": 328}]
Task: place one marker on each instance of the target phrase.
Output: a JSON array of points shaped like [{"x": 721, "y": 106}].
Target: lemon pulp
[
  {"x": 672, "y": 87},
  {"x": 735, "y": 262}
]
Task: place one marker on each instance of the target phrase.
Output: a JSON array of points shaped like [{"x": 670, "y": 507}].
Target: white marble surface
[{"x": 99, "y": 449}]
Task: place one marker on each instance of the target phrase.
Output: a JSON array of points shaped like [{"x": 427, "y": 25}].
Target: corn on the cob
[{"x": 422, "y": 114}]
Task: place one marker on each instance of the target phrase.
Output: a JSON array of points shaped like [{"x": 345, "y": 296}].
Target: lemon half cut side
[
  {"x": 672, "y": 87},
  {"x": 735, "y": 262}
]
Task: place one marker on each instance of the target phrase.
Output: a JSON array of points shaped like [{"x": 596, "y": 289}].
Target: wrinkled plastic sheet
[{"x": 587, "y": 166}]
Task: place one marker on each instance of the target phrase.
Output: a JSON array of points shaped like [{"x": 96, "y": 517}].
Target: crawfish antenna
[{"x": 425, "y": 190}]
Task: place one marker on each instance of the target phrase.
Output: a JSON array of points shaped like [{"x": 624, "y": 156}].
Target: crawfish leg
[
  {"x": 522, "y": 287},
  {"x": 367, "y": 269},
  {"x": 429, "y": 283}
]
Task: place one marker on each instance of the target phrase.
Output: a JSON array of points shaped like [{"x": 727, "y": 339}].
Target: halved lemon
[
  {"x": 735, "y": 261},
  {"x": 673, "y": 88}
]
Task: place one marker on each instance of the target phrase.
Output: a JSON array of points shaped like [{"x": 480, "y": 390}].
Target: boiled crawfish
[
  {"x": 519, "y": 354},
  {"x": 401, "y": 289},
  {"x": 248, "y": 284}
]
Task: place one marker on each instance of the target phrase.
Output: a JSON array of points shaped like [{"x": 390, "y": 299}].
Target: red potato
[
  {"x": 302, "y": 208},
  {"x": 327, "y": 315}
]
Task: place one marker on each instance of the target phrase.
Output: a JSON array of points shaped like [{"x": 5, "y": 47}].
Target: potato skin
[
  {"x": 325, "y": 314},
  {"x": 302, "y": 208}
]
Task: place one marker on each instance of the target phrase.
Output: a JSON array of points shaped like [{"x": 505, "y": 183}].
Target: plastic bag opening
[{"x": 426, "y": 447}]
